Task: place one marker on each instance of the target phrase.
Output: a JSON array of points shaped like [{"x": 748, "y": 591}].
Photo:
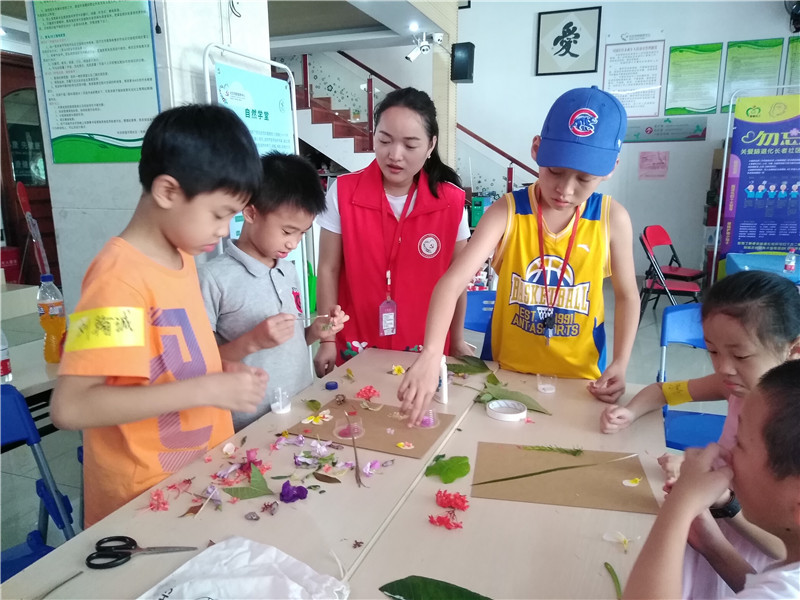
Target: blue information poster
[{"x": 762, "y": 198}]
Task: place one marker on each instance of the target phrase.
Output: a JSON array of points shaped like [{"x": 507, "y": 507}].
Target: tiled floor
[{"x": 19, "y": 504}]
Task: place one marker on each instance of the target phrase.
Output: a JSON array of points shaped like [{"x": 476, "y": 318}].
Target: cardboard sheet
[
  {"x": 598, "y": 486},
  {"x": 376, "y": 424}
]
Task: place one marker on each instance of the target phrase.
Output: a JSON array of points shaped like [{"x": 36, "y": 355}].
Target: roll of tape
[{"x": 507, "y": 410}]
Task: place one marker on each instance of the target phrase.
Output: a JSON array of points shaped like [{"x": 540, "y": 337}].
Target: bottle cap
[
  {"x": 46, "y": 277},
  {"x": 331, "y": 385}
]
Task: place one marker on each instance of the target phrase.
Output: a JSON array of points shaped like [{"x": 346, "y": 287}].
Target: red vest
[{"x": 368, "y": 228}]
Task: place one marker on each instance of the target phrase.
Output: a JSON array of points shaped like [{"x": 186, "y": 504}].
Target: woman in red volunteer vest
[{"x": 389, "y": 232}]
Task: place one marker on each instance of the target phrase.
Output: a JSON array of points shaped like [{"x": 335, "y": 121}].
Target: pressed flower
[
  {"x": 157, "y": 501},
  {"x": 390, "y": 431},
  {"x": 445, "y": 521},
  {"x": 320, "y": 449},
  {"x": 181, "y": 487},
  {"x": 207, "y": 458},
  {"x": 233, "y": 500},
  {"x": 632, "y": 482},
  {"x": 454, "y": 500},
  {"x": 298, "y": 440},
  {"x": 619, "y": 538},
  {"x": 229, "y": 450},
  {"x": 318, "y": 419},
  {"x": 368, "y": 392},
  {"x": 292, "y": 493},
  {"x": 371, "y": 467},
  {"x": 397, "y": 370},
  {"x": 405, "y": 445},
  {"x": 349, "y": 375}
]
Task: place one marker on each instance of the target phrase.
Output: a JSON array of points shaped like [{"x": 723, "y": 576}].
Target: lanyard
[
  {"x": 398, "y": 236},
  {"x": 566, "y": 256}
]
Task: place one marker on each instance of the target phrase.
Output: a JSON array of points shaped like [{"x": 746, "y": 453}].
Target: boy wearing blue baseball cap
[{"x": 553, "y": 246}]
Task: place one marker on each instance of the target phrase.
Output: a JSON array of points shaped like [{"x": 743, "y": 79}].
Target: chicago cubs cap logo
[
  {"x": 429, "y": 245},
  {"x": 583, "y": 121}
]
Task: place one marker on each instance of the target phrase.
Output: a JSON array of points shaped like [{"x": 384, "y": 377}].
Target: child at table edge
[
  {"x": 252, "y": 293},
  {"x": 577, "y": 150},
  {"x": 141, "y": 373},
  {"x": 765, "y": 474}
]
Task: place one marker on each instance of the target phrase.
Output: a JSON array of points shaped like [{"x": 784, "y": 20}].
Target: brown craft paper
[
  {"x": 375, "y": 425},
  {"x": 597, "y": 486}
]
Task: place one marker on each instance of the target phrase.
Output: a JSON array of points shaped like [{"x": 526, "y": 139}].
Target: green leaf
[
  {"x": 615, "y": 579},
  {"x": 280, "y": 477},
  {"x": 492, "y": 378},
  {"x": 571, "y": 451},
  {"x": 258, "y": 487},
  {"x": 313, "y": 405},
  {"x": 438, "y": 457},
  {"x": 423, "y": 588},
  {"x": 325, "y": 478},
  {"x": 449, "y": 469},
  {"x": 459, "y": 369},
  {"x": 475, "y": 362},
  {"x": 501, "y": 393},
  {"x": 485, "y": 397}
]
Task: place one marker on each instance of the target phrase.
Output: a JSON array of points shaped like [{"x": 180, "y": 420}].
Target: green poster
[
  {"x": 99, "y": 76},
  {"x": 793, "y": 63},
  {"x": 752, "y": 66},
  {"x": 693, "y": 80}
]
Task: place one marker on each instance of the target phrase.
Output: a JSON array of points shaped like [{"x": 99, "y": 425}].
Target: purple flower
[
  {"x": 370, "y": 467},
  {"x": 304, "y": 461},
  {"x": 297, "y": 441},
  {"x": 290, "y": 493},
  {"x": 320, "y": 449},
  {"x": 225, "y": 471}
]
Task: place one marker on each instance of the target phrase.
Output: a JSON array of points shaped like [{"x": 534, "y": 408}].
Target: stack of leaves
[{"x": 493, "y": 389}]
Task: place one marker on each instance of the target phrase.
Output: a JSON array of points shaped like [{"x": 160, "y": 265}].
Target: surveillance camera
[
  {"x": 438, "y": 38},
  {"x": 424, "y": 46},
  {"x": 414, "y": 54}
]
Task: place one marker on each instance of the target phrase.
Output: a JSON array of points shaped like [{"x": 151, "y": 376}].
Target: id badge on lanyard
[{"x": 387, "y": 311}]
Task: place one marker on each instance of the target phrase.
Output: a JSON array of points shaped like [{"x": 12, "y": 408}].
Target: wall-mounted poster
[
  {"x": 753, "y": 65},
  {"x": 693, "y": 79},
  {"x": 762, "y": 198},
  {"x": 793, "y": 62},
  {"x": 568, "y": 41},
  {"x": 633, "y": 74},
  {"x": 98, "y": 69},
  {"x": 264, "y": 104}
]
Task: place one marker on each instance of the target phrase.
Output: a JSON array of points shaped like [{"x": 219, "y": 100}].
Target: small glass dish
[{"x": 346, "y": 430}]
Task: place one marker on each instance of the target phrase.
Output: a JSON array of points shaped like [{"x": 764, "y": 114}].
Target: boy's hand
[
  {"x": 274, "y": 331},
  {"x": 326, "y": 328},
  {"x": 671, "y": 465},
  {"x": 418, "y": 386},
  {"x": 705, "y": 533},
  {"x": 611, "y": 384},
  {"x": 615, "y": 418},
  {"x": 241, "y": 390},
  {"x": 700, "y": 484},
  {"x": 325, "y": 359},
  {"x": 460, "y": 348}
]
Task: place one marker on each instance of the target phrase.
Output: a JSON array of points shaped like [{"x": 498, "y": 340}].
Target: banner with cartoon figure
[{"x": 762, "y": 196}]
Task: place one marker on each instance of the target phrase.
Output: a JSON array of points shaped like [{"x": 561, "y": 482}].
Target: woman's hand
[
  {"x": 418, "y": 386},
  {"x": 325, "y": 359}
]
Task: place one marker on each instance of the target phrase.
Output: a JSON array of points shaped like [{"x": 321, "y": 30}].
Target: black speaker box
[{"x": 462, "y": 60}]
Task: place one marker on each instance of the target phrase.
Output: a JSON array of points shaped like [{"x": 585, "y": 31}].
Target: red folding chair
[
  {"x": 655, "y": 284},
  {"x": 655, "y": 236}
]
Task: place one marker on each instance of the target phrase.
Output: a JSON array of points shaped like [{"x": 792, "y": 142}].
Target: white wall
[
  {"x": 93, "y": 202},
  {"x": 392, "y": 64},
  {"x": 507, "y": 103}
]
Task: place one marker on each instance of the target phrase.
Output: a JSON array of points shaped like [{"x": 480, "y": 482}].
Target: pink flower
[
  {"x": 371, "y": 467},
  {"x": 368, "y": 393},
  {"x": 157, "y": 501},
  {"x": 445, "y": 521},
  {"x": 455, "y": 500}
]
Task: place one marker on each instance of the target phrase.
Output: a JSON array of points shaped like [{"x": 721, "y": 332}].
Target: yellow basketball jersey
[{"x": 578, "y": 346}]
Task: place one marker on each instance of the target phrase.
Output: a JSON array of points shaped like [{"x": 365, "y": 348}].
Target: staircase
[{"x": 331, "y": 132}]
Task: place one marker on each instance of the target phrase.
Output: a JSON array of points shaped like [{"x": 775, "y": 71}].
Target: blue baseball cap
[{"x": 583, "y": 131}]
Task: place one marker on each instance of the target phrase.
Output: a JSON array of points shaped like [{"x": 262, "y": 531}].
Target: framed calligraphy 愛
[{"x": 568, "y": 41}]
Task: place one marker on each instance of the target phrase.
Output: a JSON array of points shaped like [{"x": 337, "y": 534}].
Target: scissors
[{"x": 118, "y": 549}]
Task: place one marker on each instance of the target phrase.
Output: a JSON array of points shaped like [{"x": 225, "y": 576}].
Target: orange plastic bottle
[{"x": 52, "y": 318}]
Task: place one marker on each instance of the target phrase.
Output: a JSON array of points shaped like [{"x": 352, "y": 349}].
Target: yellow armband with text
[{"x": 676, "y": 392}]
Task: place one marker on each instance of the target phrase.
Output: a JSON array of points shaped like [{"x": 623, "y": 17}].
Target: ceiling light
[{"x": 413, "y": 27}]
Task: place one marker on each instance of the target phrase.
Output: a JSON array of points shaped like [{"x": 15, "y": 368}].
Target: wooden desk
[
  {"x": 518, "y": 549},
  {"x": 308, "y": 530}
]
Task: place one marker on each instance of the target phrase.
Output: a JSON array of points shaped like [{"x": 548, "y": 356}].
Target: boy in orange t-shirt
[{"x": 141, "y": 372}]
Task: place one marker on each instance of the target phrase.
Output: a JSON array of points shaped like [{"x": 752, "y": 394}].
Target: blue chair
[
  {"x": 480, "y": 305},
  {"x": 682, "y": 324},
  {"x": 17, "y": 425}
]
